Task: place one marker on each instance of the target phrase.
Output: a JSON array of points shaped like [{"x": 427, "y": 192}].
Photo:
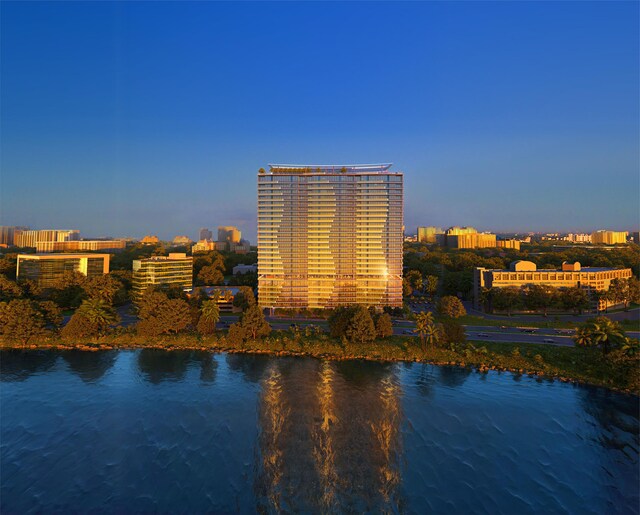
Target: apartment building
[{"x": 330, "y": 236}]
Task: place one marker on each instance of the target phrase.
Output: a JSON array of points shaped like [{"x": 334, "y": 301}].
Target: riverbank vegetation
[{"x": 603, "y": 356}]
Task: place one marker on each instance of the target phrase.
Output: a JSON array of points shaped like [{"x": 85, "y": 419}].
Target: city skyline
[{"x": 127, "y": 124}]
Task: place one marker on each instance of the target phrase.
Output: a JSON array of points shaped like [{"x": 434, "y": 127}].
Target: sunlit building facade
[
  {"x": 163, "y": 271},
  {"x": 330, "y": 236},
  {"x": 428, "y": 234},
  {"x": 570, "y": 275},
  {"x": 32, "y": 237},
  {"x": 609, "y": 237},
  {"x": 79, "y": 245}
]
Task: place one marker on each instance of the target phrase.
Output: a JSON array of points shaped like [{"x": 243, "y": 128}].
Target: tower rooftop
[{"x": 331, "y": 169}]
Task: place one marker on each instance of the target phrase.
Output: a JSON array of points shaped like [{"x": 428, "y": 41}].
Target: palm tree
[
  {"x": 432, "y": 335},
  {"x": 209, "y": 316},
  {"x": 583, "y": 337},
  {"x": 606, "y": 333},
  {"x": 424, "y": 319},
  {"x": 600, "y": 331},
  {"x": 99, "y": 313}
]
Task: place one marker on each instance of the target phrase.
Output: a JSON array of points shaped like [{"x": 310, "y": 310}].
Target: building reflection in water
[{"x": 329, "y": 437}]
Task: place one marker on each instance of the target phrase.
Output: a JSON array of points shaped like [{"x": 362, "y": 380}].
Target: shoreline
[{"x": 476, "y": 358}]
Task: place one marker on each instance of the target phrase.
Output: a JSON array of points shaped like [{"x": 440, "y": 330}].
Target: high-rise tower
[{"x": 329, "y": 236}]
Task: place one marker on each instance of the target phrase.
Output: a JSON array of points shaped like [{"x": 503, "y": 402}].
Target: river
[{"x": 195, "y": 432}]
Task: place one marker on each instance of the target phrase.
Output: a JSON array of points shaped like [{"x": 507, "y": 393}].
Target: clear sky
[{"x": 128, "y": 119}]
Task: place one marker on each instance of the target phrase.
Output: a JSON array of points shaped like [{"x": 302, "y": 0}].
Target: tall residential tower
[{"x": 329, "y": 236}]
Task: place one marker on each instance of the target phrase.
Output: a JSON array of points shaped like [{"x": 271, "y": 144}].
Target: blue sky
[{"x": 125, "y": 119}]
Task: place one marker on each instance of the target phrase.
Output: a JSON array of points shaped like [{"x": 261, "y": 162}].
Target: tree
[
  {"x": 79, "y": 326},
  {"x": 99, "y": 313},
  {"x": 450, "y": 306},
  {"x": 211, "y": 259},
  {"x": 159, "y": 314},
  {"x": 104, "y": 286},
  {"x": 209, "y": 316},
  {"x": 432, "y": 335},
  {"x": 361, "y": 328},
  {"x": 51, "y": 312},
  {"x": 9, "y": 289},
  {"x": 634, "y": 290},
  {"x": 505, "y": 299},
  {"x": 574, "y": 298},
  {"x": 254, "y": 324},
  {"x": 539, "y": 297},
  {"x": 407, "y": 290},
  {"x": 236, "y": 335},
  {"x": 67, "y": 291},
  {"x": 384, "y": 326},
  {"x": 619, "y": 292},
  {"x": 210, "y": 275},
  {"x": 424, "y": 323},
  {"x": 339, "y": 321},
  {"x": 21, "y": 320},
  {"x": 430, "y": 285},
  {"x": 415, "y": 279},
  {"x": 452, "y": 331},
  {"x": 244, "y": 298},
  {"x": 600, "y": 332}
]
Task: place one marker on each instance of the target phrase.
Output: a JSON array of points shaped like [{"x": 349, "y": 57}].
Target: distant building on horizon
[
  {"x": 182, "y": 240},
  {"x": 508, "y": 244},
  {"x": 150, "y": 240},
  {"x": 428, "y": 234},
  {"x": 205, "y": 234},
  {"x": 30, "y": 238},
  {"x": 47, "y": 269},
  {"x": 609, "y": 237},
  {"x": 79, "y": 245},
  {"x": 176, "y": 269},
  {"x": 7, "y": 233},
  {"x": 229, "y": 234},
  {"x": 330, "y": 236},
  {"x": 466, "y": 238}
]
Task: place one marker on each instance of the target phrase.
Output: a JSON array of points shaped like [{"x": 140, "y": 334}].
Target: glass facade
[
  {"x": 161, "y": 271},
  {"x": 330, "y": 236},
  {"x": 47, "y": 269}
]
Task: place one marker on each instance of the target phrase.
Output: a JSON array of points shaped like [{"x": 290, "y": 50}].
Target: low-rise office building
[
  {"x": 47, "y": 269},
  {"x": 79, "y": 245},
  {"x": 164, "y": 271},
  {"x": 522, "y": 273}
]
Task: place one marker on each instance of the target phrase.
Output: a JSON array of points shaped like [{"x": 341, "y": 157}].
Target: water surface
[{"x": 192, "y": 432}]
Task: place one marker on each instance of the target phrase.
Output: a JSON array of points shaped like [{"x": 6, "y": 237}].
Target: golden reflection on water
[
  {"x": 329, "y": 439},
  {"x": 323, "y": 451},
  {"x": 273, "y": 416}
]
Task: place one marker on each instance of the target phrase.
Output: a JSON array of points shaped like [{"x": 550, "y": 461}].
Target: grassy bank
[{"x": 568, "y": 364}]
